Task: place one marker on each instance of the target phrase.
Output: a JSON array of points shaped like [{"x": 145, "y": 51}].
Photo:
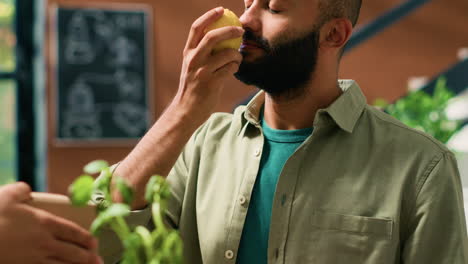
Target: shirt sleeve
[
  {"x": 184, "y": 170},
  {"x": 177, "y": 182},
  {"x": 436, "y": 231},
  {"x": 110, "y": 248}
]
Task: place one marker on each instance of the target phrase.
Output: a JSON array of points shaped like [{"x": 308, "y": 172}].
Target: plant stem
[
  {"x": 157, "y": 217},
  {"x": 120, "y": 227},
  {"x": 108, "y": 174},
  {"x": 147, "y": 241}
]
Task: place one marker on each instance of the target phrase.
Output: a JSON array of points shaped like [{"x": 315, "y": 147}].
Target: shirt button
[
  {"x": 242, "y": 200},
  {"x": 257, "y": 152},
  {"x": 229, "y": 254},
  {"x": 283, "y": 199}
]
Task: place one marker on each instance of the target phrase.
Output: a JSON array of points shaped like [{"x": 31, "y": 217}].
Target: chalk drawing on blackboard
[
  {"x": 83, "y": 114},
  {"x": 81, "y": 98},
  {"x": 130, "y": 117},
  {"x": 80, "y": 118},
  {"x": 81, "y": 126},
  {"x": 78, "y": 48},
  {"x": 104, "y": 28},
  {"x": 130, "y": 85},
  {"x": 124, "y": 52},
  {"x": 103, "y": 88},
  {"x": 126, "y": 21}
]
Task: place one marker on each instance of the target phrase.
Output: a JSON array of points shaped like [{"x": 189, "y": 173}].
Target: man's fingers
[
  {"x": 68, "y": 231},
  {"x": 18, "y": 192},
  {"x": 224, "y": 57},
  {"x": 215, "y": 36},
  {"x": 198, "y": 27},
  {"x": 227, "y": 70}
]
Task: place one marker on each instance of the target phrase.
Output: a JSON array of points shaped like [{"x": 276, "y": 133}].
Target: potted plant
[{"x": 141, "y": 246}]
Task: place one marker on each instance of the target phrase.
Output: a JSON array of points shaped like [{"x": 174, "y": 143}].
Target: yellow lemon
[{"x": 228, "y": 19}]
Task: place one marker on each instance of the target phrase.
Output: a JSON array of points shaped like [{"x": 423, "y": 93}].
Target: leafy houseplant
[
  {"x": 161, "y": 246},
  {"x": 424, "y": 112}
]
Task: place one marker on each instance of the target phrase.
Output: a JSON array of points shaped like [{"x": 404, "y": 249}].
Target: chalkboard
[{"x": 102, "y": 74}]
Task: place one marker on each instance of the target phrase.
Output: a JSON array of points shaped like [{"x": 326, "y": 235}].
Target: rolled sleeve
[
  {"x": 110, "y": 248},
  {"x": 176, "y": 180}
]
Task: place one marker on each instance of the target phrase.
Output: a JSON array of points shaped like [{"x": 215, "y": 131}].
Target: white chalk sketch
[
  {"x": 104, "y": 28},
  {"x": 102, "y": 74},
  {"x": 130, "y": 85},
  {"x": 81, "y": 98},
  {"x": 78, "y": 47},
  {"x": 80, "y": 118},
  {"x": 128, "y": 21},
  {"x": 124, "y": 52},
  {"x": 83, "y": 115},
  {"x": 130, "y": 117},
  {"x": 86, "y": 37},
  {"x": 82, "y": 127}
]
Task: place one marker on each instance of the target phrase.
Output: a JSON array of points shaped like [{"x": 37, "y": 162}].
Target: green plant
[
  {"x": 424, "y": 112},
  {"x": 161, "y": 246}
]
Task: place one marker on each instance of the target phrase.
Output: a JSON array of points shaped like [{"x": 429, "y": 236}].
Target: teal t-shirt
[{"x": 279, "y": 146}]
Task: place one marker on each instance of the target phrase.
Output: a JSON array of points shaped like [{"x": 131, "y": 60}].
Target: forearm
[
  {"x": 157, "y": 151},
  {"x": 202, "y": 78}
]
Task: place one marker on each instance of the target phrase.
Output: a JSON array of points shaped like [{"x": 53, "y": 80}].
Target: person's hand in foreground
[{"x": 30, "y": 235}]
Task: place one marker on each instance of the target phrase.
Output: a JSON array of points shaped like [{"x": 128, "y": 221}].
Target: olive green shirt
[{"x": 362, "y": 189}]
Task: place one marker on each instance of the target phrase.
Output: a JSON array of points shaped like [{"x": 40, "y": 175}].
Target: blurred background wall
[{"x": 423, "y": 44}]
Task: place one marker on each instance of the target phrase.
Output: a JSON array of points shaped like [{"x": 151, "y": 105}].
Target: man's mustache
[{"x": 259, "y": 41}]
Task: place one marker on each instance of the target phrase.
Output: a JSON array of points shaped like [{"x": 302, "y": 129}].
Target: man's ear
[{"x": 335, "y": 33}]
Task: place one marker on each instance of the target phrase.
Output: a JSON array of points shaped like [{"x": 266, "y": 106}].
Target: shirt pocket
[{"x": 339, "y": 238}]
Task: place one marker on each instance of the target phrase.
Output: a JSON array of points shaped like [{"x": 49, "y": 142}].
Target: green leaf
[
  {"x": 150, "y": 189},
  {"x": 427, "y": 113},
  {"x": 134, "y": 251},
  {"x": 161, "y": 246},
  {"x": 172, "y": 247},
  {"x": 125, "y": 190},
  {"x": 103, "y": 181},
  {"x": 81, "y": 189},
  {"x": 380, "y": 102},
  {"x": 157, "y": 189},
  {"x": 441, "y": 91},
  {"x": 145, "y": 241},
  {"x": 96, "y": 166},
  {"x": 106, "y": 216}
]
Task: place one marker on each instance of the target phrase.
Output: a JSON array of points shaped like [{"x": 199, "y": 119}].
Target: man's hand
[
  {"x": 30, "y": 235},
  {"x": 202, "y": 79},
  {"x": 204, "y": 71}
]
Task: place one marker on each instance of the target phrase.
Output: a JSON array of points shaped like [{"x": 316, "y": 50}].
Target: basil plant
[
  {"x": 141, "y": 246},
  {"x": 425, "y": 112}
]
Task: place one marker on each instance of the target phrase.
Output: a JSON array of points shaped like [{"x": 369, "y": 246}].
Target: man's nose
[{"x": 251, "y": 18}]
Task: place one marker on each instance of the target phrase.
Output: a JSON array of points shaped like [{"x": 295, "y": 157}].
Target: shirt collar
[{"x": 345, "y": 111}]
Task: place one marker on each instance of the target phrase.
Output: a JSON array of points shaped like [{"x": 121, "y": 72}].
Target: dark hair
[{"x": 331, "y": 9}]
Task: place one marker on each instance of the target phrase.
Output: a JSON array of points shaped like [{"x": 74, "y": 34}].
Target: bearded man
[{"x": 307, "y": 172}]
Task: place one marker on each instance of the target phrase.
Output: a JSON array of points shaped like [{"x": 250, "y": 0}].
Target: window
[
  {"x": 7, "y": 92},
  {"x": 17, "y": 126}
]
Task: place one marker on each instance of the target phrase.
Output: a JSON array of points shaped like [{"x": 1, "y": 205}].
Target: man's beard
[{"x": 285, "y": 68}]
